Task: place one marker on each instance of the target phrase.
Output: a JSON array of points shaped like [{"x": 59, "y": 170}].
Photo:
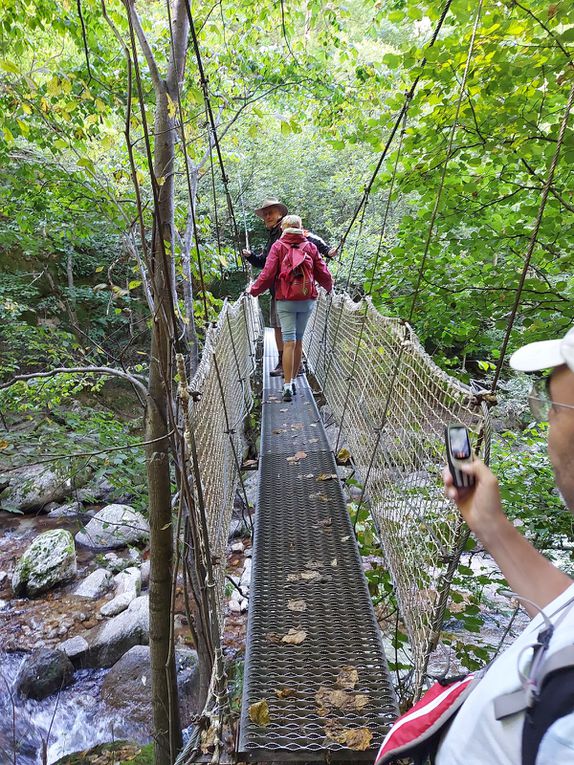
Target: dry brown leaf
[
  {"x": 361, "y": 701},
  {"x": 348, "y": 677},
  {"x": 208, "y": 739},
  {"x": 276, "y": 431},
  {"x": 295, "y": 636},
  {"x": 337, "y": 698},
  {"x": 286, "y": 693},
  {"x": 358, "y": 739},
  {"x": 293, "y": 577},
  {"x": 327, "y": 522},
  {"x": 343, "y": 455},
  {"x": 310, "y": 576},
  {"x": 334, "y": 563},
  {"x": 313, "y": 565},
  {"x": 259, "y": 713},
  {"x": 249, "y": 463},
  {"x": 297, "y": 426},
  {"x": 297, "y": 457},
  {"x": 273, "y": 637},
  {"x": 326, "y": 476},
  {"x": 296, "y": 605}
]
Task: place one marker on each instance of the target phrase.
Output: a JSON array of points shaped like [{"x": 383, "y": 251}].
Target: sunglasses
[{"x": 540, "y": 400}]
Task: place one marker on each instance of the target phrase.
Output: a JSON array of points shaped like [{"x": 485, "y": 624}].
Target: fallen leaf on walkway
[
  {"x": 313, "y": 440},
  {"x": 259, "y": 713},
  {"x": 297, "y": 426},
  {"x": 4, "y": 444},
  {"x": 286, "y": 693},
  {"x": 297, "y": 457},
  {"x": 249, "y": 463},
  {"x": 343, "y": 455},
  {"x": 334, "y": 563},
  {"x": 326, "y": 476},
  {"x": 284, "y": 410},
  {"x": 313, "y": 565},
  {"x": 327, "y": 523},
  {"x": 345, "y": 539},
  {"x": 293, "y": 577},
  {"x": 208, "y": 739},
  {"x": 348, "y": 677},
  {"x": 273, "y": 637},
  {"x": 296, "y": 605},
  {"x": 295, "y": 636},
  {"x": 358, "y": 739},
  {"x": 310, "y": 576},
  {"x": 277, "y": 431},
  {"x": 309, "y": 475}
]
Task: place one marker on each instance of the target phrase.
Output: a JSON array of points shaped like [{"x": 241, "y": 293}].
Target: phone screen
[{"x": 459, "y": 443}]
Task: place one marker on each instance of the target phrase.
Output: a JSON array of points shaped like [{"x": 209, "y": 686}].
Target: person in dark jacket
[
  {"x": 294, "y": 306},
  {"x": 272, "y": 212}
]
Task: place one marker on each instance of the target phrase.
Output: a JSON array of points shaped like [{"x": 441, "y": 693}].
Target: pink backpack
[{"x": 296, "y": 273}]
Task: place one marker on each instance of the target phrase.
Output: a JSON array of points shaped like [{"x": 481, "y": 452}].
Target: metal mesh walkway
[{"x": 316, "y": 680}]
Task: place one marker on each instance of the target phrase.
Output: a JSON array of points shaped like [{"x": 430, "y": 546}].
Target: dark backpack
[{"x": 296, "y": 273}]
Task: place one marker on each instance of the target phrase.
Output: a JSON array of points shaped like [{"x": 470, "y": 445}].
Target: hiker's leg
[
  {"x": 276, "y": 324},
  {"x": 288, "y": 318},
  {"x": 304, "y": 311},
  {"x": 288, "y": 360}
]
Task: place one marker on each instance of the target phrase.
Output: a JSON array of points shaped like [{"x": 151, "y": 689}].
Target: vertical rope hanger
[
  {"x": 213, "y": 128},
  {"x": 402, "y": 113},
  {"x": 397, "y": 363}
]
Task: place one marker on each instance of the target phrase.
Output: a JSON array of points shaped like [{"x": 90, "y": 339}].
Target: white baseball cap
[{"x": 545, "y": 354}]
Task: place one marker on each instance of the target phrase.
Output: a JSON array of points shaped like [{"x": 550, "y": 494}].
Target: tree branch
[
  {"x": 136, "y": 380},
  {"x": 158, "y": 81}
]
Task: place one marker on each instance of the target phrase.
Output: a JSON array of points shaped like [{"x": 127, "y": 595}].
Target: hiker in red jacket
[{"x": 291, "y": 269}]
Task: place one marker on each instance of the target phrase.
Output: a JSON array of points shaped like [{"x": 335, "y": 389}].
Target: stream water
[{"x": 32, "y": 732}]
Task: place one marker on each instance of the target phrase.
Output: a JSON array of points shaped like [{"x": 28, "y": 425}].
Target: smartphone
[{"x": 458, "y": 452}]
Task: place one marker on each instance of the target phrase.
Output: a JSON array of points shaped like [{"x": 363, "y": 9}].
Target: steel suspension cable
[
  {"x": 408, "y": 97},
  {"x": 213, "y": 128},
  {"x": 534, "y": 236},
  {"x": 188, "y": 180},
  {"x": 406, "y": 328}
]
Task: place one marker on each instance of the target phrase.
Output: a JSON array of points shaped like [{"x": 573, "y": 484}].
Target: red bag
[
  {"x": 417, "y": 733},
  {"x": 296, "y": 280}
]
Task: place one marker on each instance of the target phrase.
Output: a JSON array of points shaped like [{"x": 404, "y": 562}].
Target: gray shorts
[{"x": 273, "y": 318}]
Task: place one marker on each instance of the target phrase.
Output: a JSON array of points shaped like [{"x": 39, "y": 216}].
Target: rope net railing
[
  {"x": 221, "y": 398},
  {"x": 391, "y": 402}
]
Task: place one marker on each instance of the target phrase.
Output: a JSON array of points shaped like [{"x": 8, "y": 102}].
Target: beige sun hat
[
  {"x": 267, "y": 203},
  {"x": 545, "y": 354}
]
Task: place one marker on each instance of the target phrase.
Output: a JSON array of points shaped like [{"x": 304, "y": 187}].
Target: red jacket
[{"x": 267, "y": 277}]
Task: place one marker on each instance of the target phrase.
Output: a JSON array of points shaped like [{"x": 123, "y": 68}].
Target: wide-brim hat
[
  {"x": 545, "y": 354},
  {"x": 267, "y": 203}
]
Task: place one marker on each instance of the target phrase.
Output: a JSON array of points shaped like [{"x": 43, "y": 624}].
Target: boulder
[
  {"x": 63, "y": 511},
  {"x": 48, "y": 561},
  {"x": 75, "y": 648},
  {"x": 127, "y": 686},
  {"x": 32, "y": 487},
  {"x": 114, "y": 526},
  {"x": 45, "y": 672},
  {"x": 118, "y": 604},
  {"x": 108, "y": 642},
  {"x": 95, "y": 585}
]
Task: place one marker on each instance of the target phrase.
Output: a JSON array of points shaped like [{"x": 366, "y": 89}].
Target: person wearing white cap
[
  {"x": 501, "y": 721},
  {"x": 272, "y": 212}
]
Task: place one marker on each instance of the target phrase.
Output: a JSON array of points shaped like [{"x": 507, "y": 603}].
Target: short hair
[{"x": 291, "y": 221}]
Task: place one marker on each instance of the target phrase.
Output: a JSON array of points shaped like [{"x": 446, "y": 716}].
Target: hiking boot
[
  {"x": 294, "y": 387},
  {"x": 287, "y": 393},
  {"x": 278, "y": 371}
]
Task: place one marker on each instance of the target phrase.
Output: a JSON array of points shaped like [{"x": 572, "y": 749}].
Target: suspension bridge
[{"x": 316, "y": 684}]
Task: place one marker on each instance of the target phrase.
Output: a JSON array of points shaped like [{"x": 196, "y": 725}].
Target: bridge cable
[{"x": 214, "y": 136}]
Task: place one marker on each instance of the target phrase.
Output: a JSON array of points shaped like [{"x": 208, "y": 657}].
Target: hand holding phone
[{"x": 458, "y": 453}]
